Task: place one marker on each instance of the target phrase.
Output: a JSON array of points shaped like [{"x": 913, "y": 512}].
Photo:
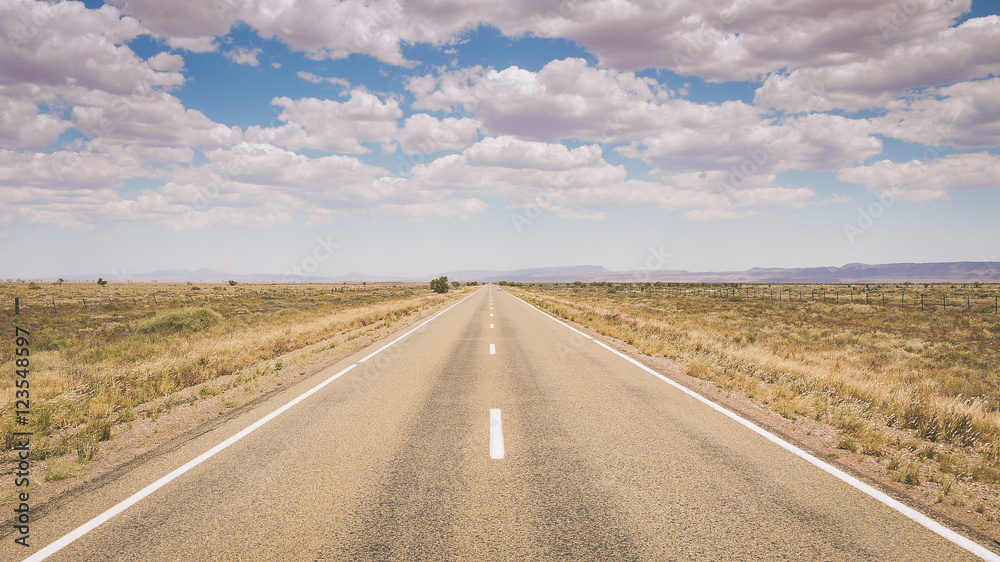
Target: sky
[{"x": 420, "y": 137}]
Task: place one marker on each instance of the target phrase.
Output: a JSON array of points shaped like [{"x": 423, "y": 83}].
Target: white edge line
[
  {"x": 912, "y": 514},
  {"x": 386, "y": 346},
  {"x": 58, "y": 545},
  {"x": 554, "y": 318},
  {"x": 135, "y": 498},
  {"x": 906, "y": 510}
]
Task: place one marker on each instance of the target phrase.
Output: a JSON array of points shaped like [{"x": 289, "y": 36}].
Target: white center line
[
  {"x": 496, "y": 434},
  {"x": 493, "y": 349},
  {"x": 491, "y": 325},
  {"x": 491, "y": 314}
]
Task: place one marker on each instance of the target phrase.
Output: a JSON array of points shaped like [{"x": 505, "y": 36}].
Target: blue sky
[{"x": 422, "y": 137}]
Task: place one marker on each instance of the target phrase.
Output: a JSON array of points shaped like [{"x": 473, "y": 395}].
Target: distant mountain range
[{"x": 954, "y": 272}]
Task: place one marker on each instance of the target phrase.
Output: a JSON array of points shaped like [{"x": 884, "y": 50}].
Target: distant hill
[{"x": 947, "y": 272}]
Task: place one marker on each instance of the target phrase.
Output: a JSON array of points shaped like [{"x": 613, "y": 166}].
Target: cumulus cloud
[
  {"x": 316, "y": 79},
  {"x": 573, "y": 180},
  {"x": 22, "y": 125},
  {"x": 65, "y": 44},
  {"x": 919, "y": 180},
  {"x": 244, "y": 55},
  {"x": 945, "y": 57},
  {"x": 566, "y": 98},
  {"x": 423, "y": 133},
  {"x": 156, "y": 119},
  {"x": 715, "y": 39},
  {"x": 964, "y": 115},
  {"x": 330, "y": 125}
]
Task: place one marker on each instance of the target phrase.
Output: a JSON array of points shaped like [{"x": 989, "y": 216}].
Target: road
[{"x": 489, "y": 432}]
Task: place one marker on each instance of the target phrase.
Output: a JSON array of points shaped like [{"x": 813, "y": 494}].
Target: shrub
[
  {"x": 183, "y": 320},
  {"x": 440, "y": 285}
]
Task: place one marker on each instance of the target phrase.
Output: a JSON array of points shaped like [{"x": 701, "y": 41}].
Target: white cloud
[
  {"x": 206, "y": 44},
  {"x": 156, "y": 119},
  {"x": 316, "y": 79},
  {"x": 423, "y": 133},
  {"x": 566, "y": 98},
  {"x": 728, "y": 146},
  {"x": 166, "y": 62},
  {"x": 947, "y": 56},
  {"x": 244, "y": 55},
  {"x": 331, "y": 125},
  {"x": 715, "y": 39},
  {"x": 575, "y": 182},
  {"x": 725, "y": 40},
  {"x": 262, "y": 178},
  {"x": 570, "y": 99},
  {"x": 926, "y": 181},
  {"x": 23, "y": 126},
  {"x": 188, "y": 24},
  {"x": 65, "y": 44},
  {"x": 964, "y": 115}
]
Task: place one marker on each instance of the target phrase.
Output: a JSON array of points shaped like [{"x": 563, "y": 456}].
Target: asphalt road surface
[{"x": 490, "y": 432}]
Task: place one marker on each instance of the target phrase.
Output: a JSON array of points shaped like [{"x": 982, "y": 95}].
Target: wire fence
[{"x": 969, "y": 298}]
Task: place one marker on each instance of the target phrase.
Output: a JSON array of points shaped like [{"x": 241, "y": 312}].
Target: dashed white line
[
  {"x": 496, "y": 434},
  {"x": 491, "y": 325},
  {"x": 493, "y": 349}
]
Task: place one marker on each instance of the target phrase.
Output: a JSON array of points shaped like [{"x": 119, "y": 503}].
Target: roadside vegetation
[
  {"x": 105, "y": 355},
  {"x": 916, "y": 390}
]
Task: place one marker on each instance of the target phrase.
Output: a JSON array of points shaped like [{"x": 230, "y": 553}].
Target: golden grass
[
  {"x": 860, "y": 367},
  {"x": 133, "y": 344}
]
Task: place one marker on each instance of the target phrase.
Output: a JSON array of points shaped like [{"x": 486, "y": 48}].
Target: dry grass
[
  {"x": 134, "y": 344},
  {"x": 888, "y": 378}
]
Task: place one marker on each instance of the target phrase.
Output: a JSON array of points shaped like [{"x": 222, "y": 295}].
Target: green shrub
[
  {"x": 183, "y": 320},
  {"x": 440, "y": 285}
]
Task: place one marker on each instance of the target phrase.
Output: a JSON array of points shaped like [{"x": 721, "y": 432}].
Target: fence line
[{"x": 851, "y": 295}]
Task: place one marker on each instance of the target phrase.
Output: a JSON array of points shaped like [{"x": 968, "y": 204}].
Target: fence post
[
  {"x": 17, "y": 305},
  {"x": 54, "y": 306},
  {"x": 84, "y": 303}
]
